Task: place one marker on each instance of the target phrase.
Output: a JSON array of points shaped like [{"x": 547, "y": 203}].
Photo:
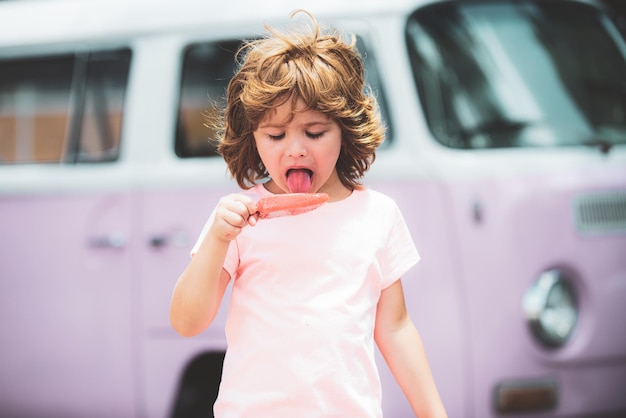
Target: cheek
[
  {"x": 268, "y": 157},
  {"x": 335, "y": 151},
  {"x": 335, "y": 155},
  {"x": 327, "y": 161}
]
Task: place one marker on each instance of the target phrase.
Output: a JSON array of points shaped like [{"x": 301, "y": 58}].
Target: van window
[
  {"x": 63, "y": 108},
  {"x": 519, "y": 74},
  {"x": 207, "y": 69}
]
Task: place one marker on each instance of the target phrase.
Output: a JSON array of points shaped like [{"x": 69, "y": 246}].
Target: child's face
[{"x": 300, "y": 153}]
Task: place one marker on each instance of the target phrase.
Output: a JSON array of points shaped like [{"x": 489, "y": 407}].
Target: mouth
[{"x": 299, "y": 180}]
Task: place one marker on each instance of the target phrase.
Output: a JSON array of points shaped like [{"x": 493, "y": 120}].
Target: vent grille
[{"x": 600, "y": 212}]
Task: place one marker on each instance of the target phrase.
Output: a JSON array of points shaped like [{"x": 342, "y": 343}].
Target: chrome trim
[{"x": 544, "y": 304}]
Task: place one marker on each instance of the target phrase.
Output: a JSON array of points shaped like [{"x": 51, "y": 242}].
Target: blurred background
[{"x": 505, "y": 149}]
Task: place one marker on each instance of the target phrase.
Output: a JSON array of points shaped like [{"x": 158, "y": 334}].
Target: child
[{"x": 312, "y": 292}]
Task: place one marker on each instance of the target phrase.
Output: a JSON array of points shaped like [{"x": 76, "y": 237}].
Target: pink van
[{"x": 505, "y": 150}]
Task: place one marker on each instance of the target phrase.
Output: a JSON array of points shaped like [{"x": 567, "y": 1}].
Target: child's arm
[
  {"x": 199, "y": 290},
  {"x": 401, "y": 346}
]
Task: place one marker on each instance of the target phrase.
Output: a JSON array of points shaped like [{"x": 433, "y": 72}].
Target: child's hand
[{"x": 232, "y": 214}]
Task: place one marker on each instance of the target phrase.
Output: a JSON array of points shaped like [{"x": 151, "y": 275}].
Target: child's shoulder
[
  {"x": 376, "y": 198},
  {"x": 375, "y": 194}
]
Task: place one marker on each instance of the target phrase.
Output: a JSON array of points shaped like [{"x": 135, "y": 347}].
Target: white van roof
[{"x": 29, "y": 22}]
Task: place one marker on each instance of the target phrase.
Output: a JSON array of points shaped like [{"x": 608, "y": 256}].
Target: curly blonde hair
[{"x": 322, "y": 70}]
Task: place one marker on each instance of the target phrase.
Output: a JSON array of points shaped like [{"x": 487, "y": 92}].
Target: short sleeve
[
  {"x": 203, "y": 233},
  {"x": 400, "y": 253},
  {"x": 232, "y": 257}
]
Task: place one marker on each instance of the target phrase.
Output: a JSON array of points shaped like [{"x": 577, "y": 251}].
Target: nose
[{"x": 296, "y": 146}]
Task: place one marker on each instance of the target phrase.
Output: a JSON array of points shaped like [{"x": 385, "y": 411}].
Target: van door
[
  {"x": 184, "y": 178},
  {"x": 65, "y": 291}
]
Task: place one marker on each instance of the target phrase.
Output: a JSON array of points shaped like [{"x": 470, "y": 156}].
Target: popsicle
[{"x": 289, "y": 204}]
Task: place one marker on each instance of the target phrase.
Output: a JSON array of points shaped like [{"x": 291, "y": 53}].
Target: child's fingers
[
  {"x": 250, "y": 205},
  {"x": 236, "y": 211},
  {"x": 244, "y": 207},
  {"x": 252, "y": 219},
  {"x": 235, "y": 218}
]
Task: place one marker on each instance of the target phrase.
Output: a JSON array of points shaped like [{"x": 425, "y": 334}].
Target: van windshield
[{"x": 527, "y": 73}]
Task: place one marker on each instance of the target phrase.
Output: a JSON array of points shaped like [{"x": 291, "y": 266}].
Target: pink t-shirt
[{"x": 303, "y": 306}]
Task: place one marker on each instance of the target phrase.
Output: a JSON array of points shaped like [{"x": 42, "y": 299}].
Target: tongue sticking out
[{"x": 299, "y": 180}]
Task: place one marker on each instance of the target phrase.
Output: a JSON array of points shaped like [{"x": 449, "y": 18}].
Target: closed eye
[
  {"x": 314, "y": 135},
  {"x": 311, "y": 135}
]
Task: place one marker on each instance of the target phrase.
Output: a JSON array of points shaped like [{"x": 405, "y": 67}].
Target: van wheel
[{"x": 198, "y": 386}]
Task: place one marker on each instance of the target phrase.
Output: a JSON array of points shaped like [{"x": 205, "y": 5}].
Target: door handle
[
  {"x": 174, "y": 240},
  {"x": 114, "y": 240}
]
